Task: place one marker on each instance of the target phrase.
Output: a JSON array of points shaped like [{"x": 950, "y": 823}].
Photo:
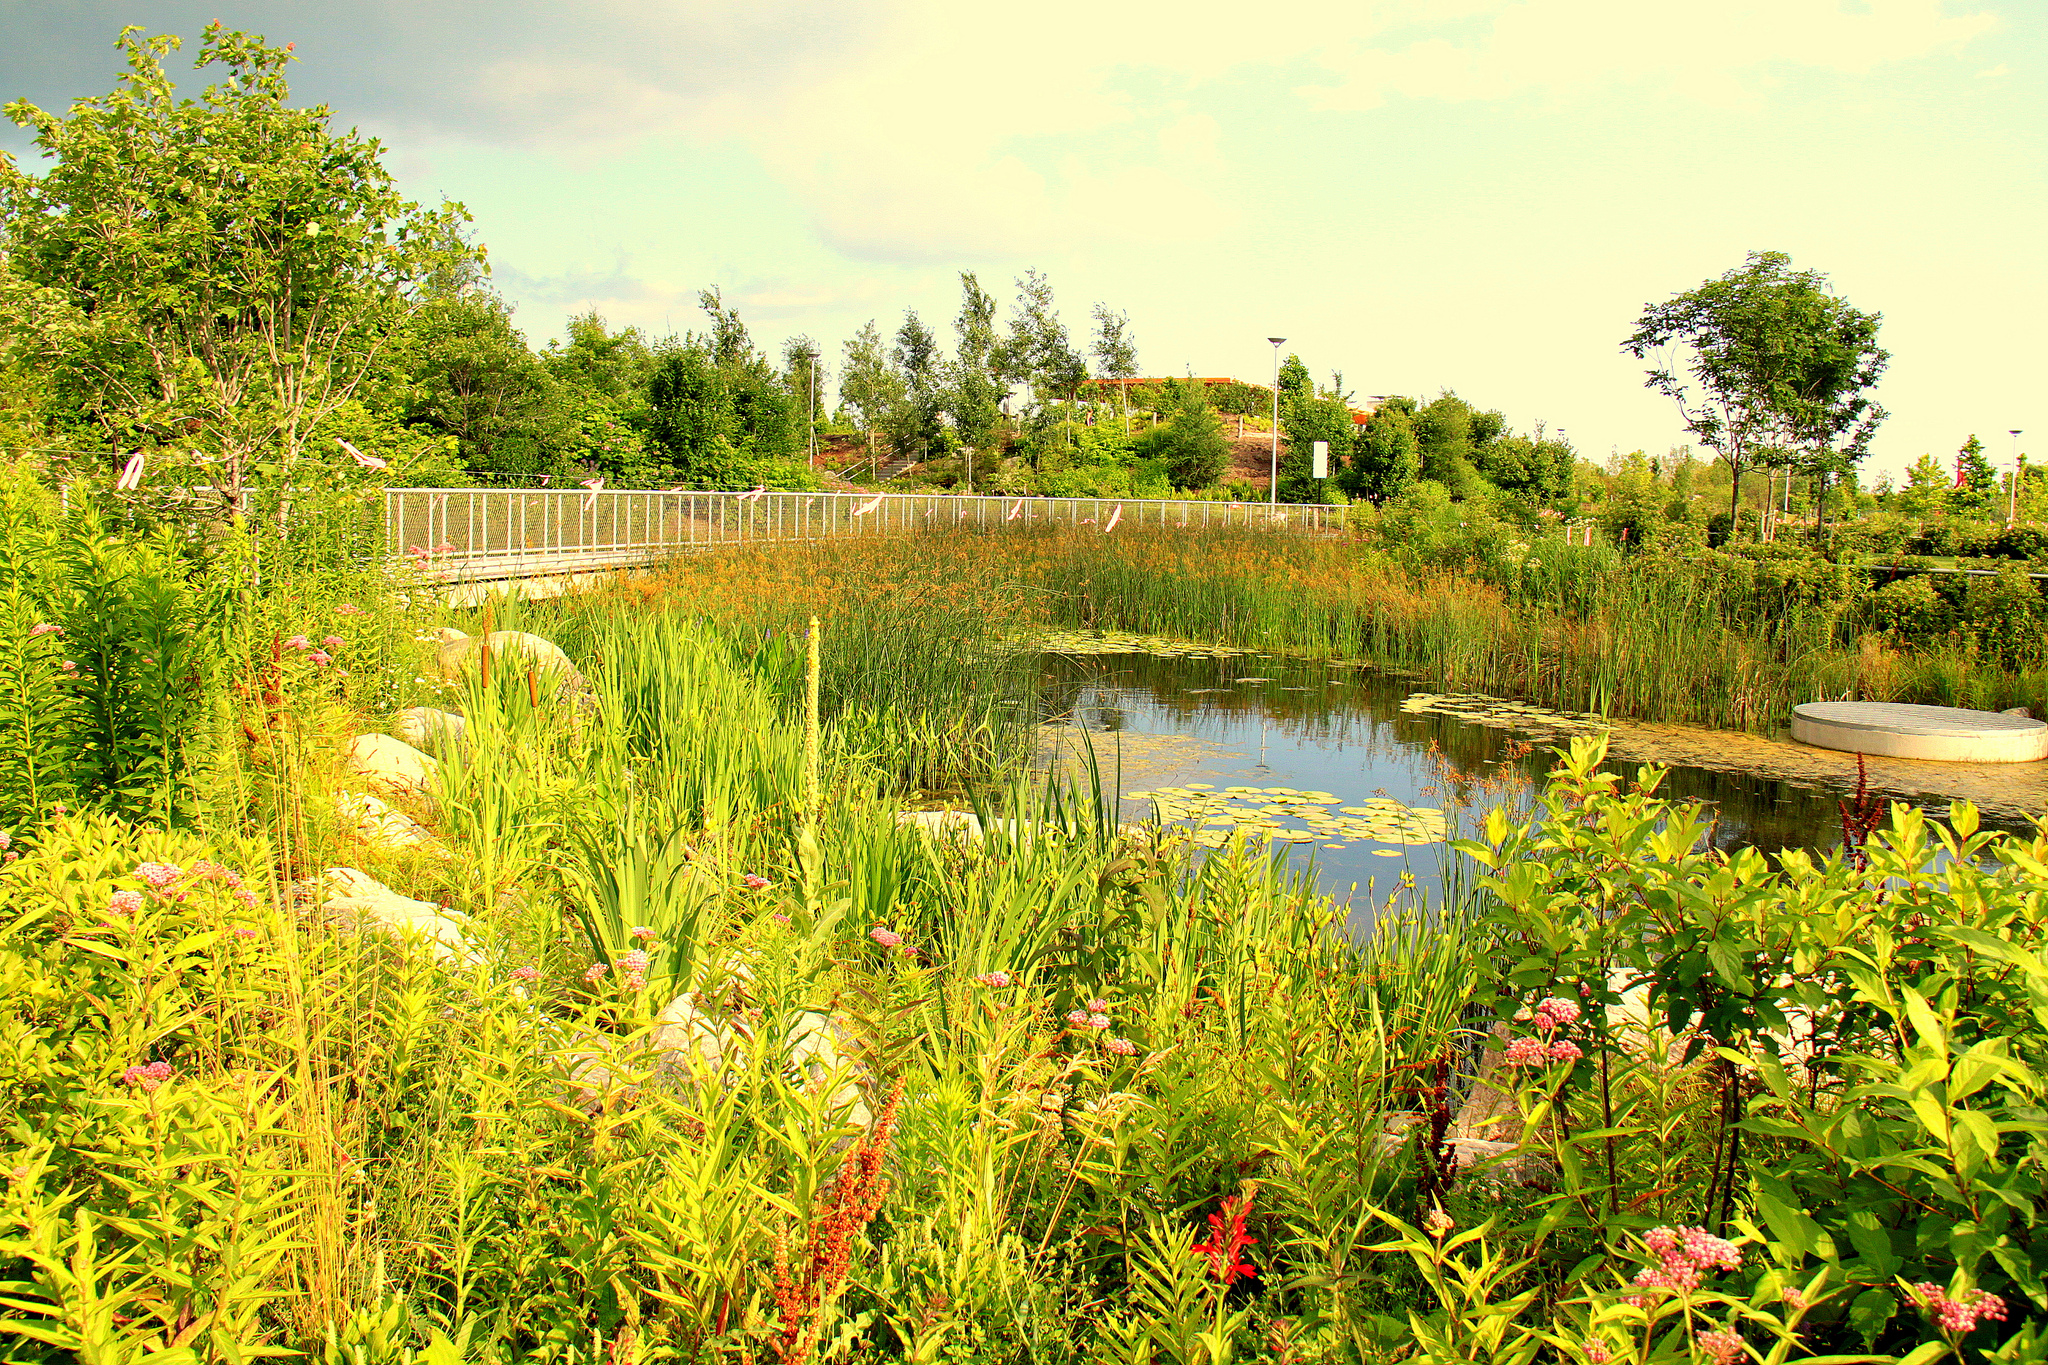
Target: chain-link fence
[{"x": 486, "y": 533}]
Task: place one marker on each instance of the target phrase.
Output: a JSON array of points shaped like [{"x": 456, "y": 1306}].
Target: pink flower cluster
[
  {"x": 634, "y": 965},
  {"x": 1549, "y": 1016},
  {"x": 754, "y": 883},
  {"x": 124, "y": 902},
  {"x": 1595, "y": 1351},
  {"x": 148, "y": 1077},
  {"x": 1684, "y": 1255},
  {"x": 159, "y": 875},
  {"x": 528, "y": 975},
  {"x": 1723, "y": 1347},
  {"x": 1120, "y": 1047},
  {"x": 44, "y": 628},
  {"x": 1957, "y": 1316},
  {"x": 993, "y": 980},
  {"x": 640, "y": 933},
  {"x": 888, "y": 938},
  {"x": 595, "y": 973}
]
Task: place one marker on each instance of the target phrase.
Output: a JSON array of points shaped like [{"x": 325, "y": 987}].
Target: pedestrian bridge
[{"x": 486, "y": 535}]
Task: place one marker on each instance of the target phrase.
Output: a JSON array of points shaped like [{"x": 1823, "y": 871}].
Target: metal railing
[{"x": 485, "y": 533}]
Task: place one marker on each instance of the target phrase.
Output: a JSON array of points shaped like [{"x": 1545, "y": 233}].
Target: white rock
[
  {"x": 382, "y": 826},
  {"x": 435, "y": 732},
  {"x": 360, "y": 902},
  {"x": 712, "y": 1044},
  {"x": 459, "y": 653},
  {"x": 391, "y": 766}
]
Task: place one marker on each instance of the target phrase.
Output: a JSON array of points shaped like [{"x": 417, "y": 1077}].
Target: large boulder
[
  {"x": 356, "y": 901},
  {"x": 699, "y": 1036},
  {"x": 383, "y": 826},
  {"x": 459, "y": 653},
  {"x": 391, "y": 767},
  {"x": 439, "y": 733}
]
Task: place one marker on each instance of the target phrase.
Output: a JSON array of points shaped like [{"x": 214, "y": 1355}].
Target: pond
[{"x": 1362, "y": 772}]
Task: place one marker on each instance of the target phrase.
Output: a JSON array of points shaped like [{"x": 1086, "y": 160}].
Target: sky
[{"x": 1473, "y": 195}]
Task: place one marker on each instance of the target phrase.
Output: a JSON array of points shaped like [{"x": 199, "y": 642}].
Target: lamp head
[{"x": 1276, "y": 340}]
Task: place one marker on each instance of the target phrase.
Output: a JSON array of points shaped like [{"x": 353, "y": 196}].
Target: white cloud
[{"x": 1716, "y": 53}]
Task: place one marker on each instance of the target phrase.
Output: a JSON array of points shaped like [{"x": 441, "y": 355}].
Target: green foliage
[
  {"x": 716, "y": 413},
  {"x": 163, "y": 268},
  {"x": 1779, "y": 367},
  {"x": 1191, "y": 445},
  {"x": 1975, "y": 490},
  {"x": 1387, "y": 456}
]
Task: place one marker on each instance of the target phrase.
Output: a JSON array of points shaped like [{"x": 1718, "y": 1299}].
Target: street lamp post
[
  {"x": 1273, "y": 476},
  {"x": 2012, "y": 502}
]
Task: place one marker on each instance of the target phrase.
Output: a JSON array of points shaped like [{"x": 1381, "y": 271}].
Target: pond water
[{"x": 1320, "y": 753}]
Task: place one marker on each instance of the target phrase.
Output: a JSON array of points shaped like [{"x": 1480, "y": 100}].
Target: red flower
[{"x": 1226, "y": 1240}]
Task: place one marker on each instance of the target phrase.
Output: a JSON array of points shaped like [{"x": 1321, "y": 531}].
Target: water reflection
[{"x": 1267, "y": 721}]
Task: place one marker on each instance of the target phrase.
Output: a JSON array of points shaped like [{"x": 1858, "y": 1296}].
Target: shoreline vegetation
[
  {"x": 601, "y": 1037},
  {"x": 1713, "y": 639}
]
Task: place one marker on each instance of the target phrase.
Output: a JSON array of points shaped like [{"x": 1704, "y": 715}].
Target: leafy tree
[
  {"x": 1191, "y": 445},
  {"x": 226, "y": 272},
  {"x": 1386, "y": 457},
  {"x": 1038, "y": 351},
  {"x": 913, "y": 424},
  {"x": 1116, "y": 352},
  {"x": 1534, "y": 468},
  {"x": 718, "y": 413},
  {"x": 475, "y": 379},
  {"x": 601, "y": 385},
  {"x": 1776, "y": 362},
  {"x": 1927, "y": 482},
  {"x": 803, "y": 372},
  {"x": 975, "y": 388},
  {"x": 1304, "y": 421},
  {"x": 1295, "y": 381},
  {"x": 1242, "y": 400},
  {"x": 867, "y": 383},
  {"x": 594, "y": 360},
  {"x": 1976, "y": 486}
]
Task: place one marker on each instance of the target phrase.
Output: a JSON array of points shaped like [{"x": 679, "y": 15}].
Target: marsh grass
[{"x": 1576, "y": 629}]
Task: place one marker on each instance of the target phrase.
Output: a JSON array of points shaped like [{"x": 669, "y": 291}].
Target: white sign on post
[{"x": 1322, "y": 468}]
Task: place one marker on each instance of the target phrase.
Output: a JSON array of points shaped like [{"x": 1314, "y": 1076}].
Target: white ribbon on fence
[
  {"x": 868, "y": 507},
  {"x": 1114, "y": 518}
]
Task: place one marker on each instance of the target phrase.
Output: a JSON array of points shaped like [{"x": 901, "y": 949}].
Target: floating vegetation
[
  {"x": 1089, "y": 642},
  {"x": 1498, "y": 713},
  {"x": 1289, "y": 815}
]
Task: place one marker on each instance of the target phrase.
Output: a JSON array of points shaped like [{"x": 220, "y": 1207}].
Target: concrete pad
[{"x": 1942, "y": 734}]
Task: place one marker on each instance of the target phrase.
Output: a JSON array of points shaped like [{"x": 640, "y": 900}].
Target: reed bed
[{"x": 1572, "y": 629}]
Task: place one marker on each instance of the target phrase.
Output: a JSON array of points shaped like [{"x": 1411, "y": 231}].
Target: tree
[
  {"x": 1976, "y": 486},
  {"x": 914, "y": 426},
  {"x": 601, "y": 382},
  {"x": 716, "y": 410},
  {"x": 1304, "y": 421},
  {"x": 1038, "y": 351},
  {"x": 1191, "y": 444},
  {"x": 1776, "y": 362},
  {"x": 1295, "y": 381},
  {"x": 867, "y": 384},
  {"x": 803, "y": 373},
  {"x": 223, "y": 272},
  {"x": 1116, "y": 353},
  {"x": 474, "y": 378},
  {"x": 1386, "y": 458},
  {"x": 975, "y": 388},
  {"x": 1534, "y": 468},
  {"x": 1927, "y": 482},
  {"x": 614, "y": 366}
]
